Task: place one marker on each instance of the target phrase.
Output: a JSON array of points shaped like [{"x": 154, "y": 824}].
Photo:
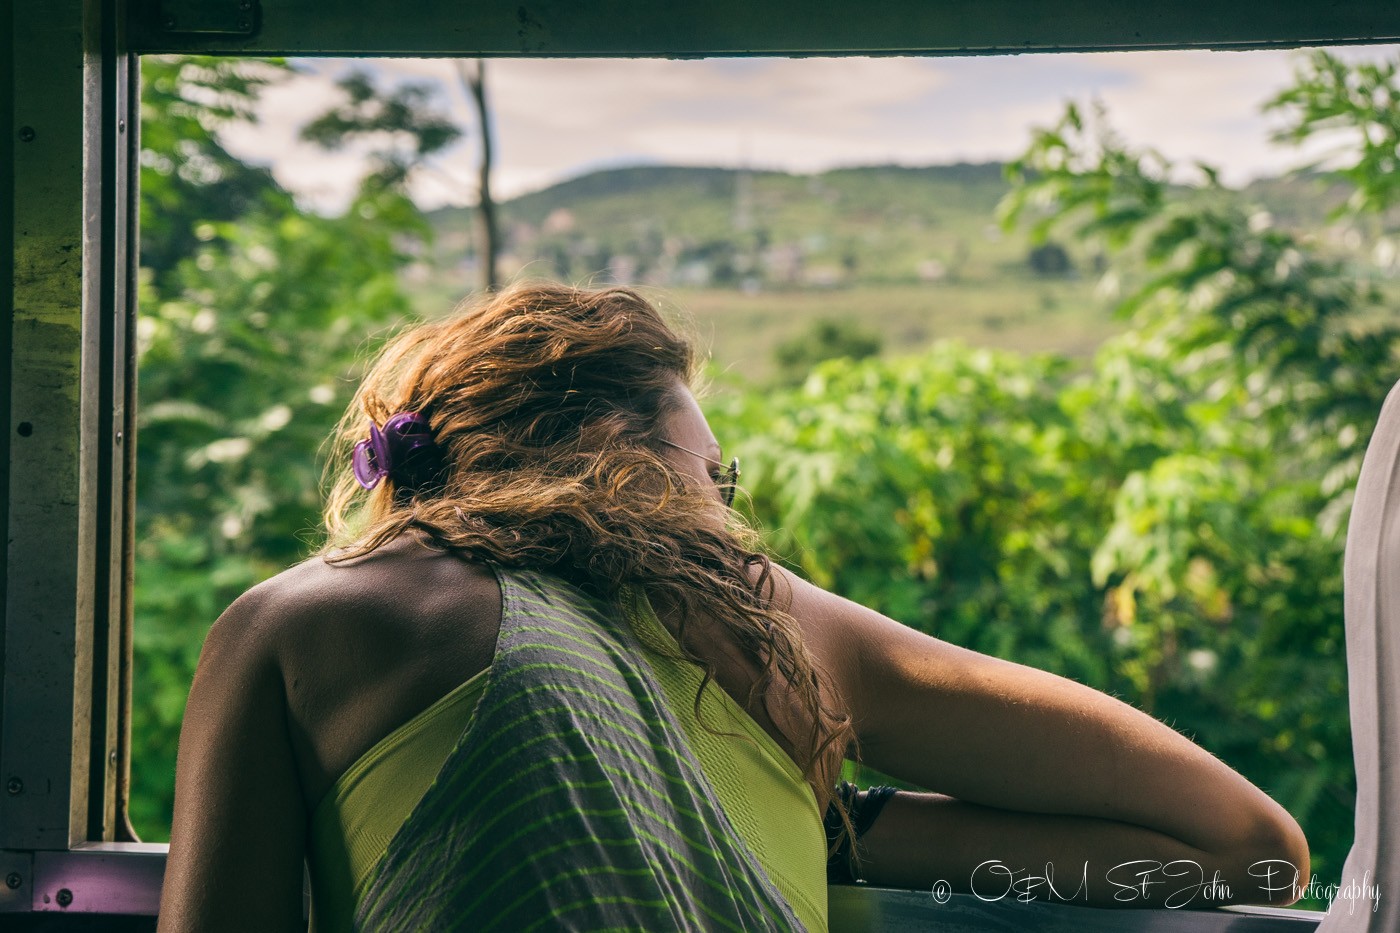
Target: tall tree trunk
[{"x": 487, "y": 235}]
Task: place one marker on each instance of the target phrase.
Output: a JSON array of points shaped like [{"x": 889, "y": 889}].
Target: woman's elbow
[{"x": 1274, "y": 866}]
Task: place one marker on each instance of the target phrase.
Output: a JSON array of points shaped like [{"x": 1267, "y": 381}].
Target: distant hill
[
  {"x": 699, "y": 227},
  {"x": 758, "y": 257},
  {"x": 719, "y": 227}
]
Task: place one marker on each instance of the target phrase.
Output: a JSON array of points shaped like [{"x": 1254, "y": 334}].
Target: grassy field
[{"x": 742, "y": 331}]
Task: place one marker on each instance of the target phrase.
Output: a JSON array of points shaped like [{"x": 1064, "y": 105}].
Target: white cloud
[
  {"x": 554, "y": 118},
  {"x": 1190, "y": 106},
  {"x": 323, "y": 179},
  {"x": 1205, "y": 106}
]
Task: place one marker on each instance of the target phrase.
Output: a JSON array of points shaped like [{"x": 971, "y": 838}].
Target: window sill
[{"x": 115, "y": 878}]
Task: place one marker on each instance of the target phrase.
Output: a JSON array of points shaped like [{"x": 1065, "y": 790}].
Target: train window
[{"x": 776, "y": 202}]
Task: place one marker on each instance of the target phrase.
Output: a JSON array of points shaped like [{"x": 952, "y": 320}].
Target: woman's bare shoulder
[
  {"x": 400, "y": 624},
  {"x": 390, "y": 591},
  {"x": 363, "y": 645}
]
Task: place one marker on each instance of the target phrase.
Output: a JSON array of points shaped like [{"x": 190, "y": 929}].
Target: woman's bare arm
[
  {"x": 1035, "y": 770},
  {"x": 239, "y": 834},
  {"x": 921, "y": 840}
]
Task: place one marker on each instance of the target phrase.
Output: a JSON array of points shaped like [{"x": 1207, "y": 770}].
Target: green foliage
[
  {"x": 1358, "y": 104},
  {"x": 943, "y": 490},
  {"x": 402, "y": 123},
  {"x": 1077, "y": 174},
  {"x": 825, "y": 339},
  {"x": 249, "y": 345},
  {"x": 1257, "y": 335},
  {"x": 187, "y": 176},
  {"x": 1049, "y": 260}
]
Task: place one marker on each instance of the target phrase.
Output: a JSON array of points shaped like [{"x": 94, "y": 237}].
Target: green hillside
[
  {"x": 756, "y": 257},
  {"x": 668, "y": 225}
]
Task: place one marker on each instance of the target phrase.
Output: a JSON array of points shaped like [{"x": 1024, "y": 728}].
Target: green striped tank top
[{"x": 574, "y": 801}]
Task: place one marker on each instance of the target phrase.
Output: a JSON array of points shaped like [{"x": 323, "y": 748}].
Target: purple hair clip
[{"x": 404, "y": 436}]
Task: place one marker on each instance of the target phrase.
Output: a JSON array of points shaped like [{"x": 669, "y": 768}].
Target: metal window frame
[
  {"x": 537, "y": 28},
  {"x": 69, "y": 158},
  {"x": 68, "y": 232}
]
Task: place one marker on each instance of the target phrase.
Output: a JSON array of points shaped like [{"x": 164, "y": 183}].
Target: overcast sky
[{"x": 559, "y": 118}]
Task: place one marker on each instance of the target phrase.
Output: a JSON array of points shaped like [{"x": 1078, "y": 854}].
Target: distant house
[
  {"x": 826, "y": 275},
  {"x": 782, "y": 264},
  {"x": 694, "y": 274},
  {"x": 622, "y": 269},
  {"x": 932, "y": 270},
  {"x": 560, "y": 220}
]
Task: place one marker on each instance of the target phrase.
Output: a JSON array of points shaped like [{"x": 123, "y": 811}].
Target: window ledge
[
  {"x": 862, "y": 908},
  {"x": 117, "y": 878}
]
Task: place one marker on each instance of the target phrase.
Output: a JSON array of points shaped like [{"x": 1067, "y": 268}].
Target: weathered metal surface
[
  {"x": 123, "y": 562},
  {"x": 50, "y": 523},
  {"x": 872, "y": 910},
  {"x": 778, "y": 27},
  {"x": 16, "y": 881},
  {"x": 100, "y": 878},
  {"x": 207, "y": 17},
  {"x": 68, "y": 384},
  {"x": 109, "y": 320},
  {"x": 9, "y": 142}
]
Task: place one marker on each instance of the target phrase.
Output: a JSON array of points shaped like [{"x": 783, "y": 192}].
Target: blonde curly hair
[{"x": 546, "y": 404}]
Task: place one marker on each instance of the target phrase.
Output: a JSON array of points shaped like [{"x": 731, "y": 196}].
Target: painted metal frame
[
  {"x": 68, "y": 257},
  {"x": 745, "y": 27},
  {"x": 68, "y": 161}
]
